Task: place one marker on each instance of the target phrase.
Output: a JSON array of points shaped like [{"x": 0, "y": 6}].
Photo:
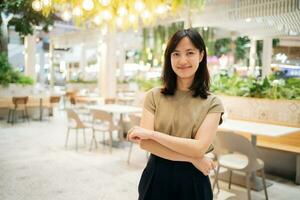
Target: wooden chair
[
  {"x": 103, "y": 122},
  {"x": 75, "y": 123},
  {"x": 110, "y": 100},
  {"x": 19, "y": 105},
  {"x": 236, "y": 153},
  {"x": 53, "y": 101}
]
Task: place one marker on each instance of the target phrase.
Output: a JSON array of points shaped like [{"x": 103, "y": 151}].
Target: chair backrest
[
  {"x": 233, "y": 142},
  {"x": 73, "y": 100},
  {"x": 54, "y": 99},
  {"x": 73, "y": 116},
  {"x": 99, "y": 115},
  {"x": 110, "y": 100},
  {"x": 135, "y": 120},
  {"x": 20, "y": 101}
]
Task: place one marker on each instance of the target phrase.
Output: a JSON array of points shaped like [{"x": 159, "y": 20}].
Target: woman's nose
[{"x": 182, "y": 60}]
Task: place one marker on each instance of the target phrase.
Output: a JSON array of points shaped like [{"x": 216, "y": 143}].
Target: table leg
[
  {"x": 297, "y": 169},
  {"x": 41, "y": 109}
]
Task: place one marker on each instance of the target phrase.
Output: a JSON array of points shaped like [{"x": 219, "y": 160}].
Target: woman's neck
[{"x": 184, "y": 83}]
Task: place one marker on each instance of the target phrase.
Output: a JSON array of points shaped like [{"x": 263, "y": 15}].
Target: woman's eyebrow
[{"x": 175, "y": 50}]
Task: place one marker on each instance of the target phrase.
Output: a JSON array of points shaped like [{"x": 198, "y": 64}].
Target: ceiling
[{"x": 255, "y": 18}]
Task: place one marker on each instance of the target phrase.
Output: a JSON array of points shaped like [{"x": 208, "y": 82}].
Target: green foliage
[
  {"x": 25, "y": 18},
  {"x": 146, "y": 84},
  {"x": 240, "y": 47},
  {"x": 160, "y": 36},
  {"x": 270, "y": 87},
  {"x": 9, "y": 75},
  {"x": 83, "y": 81},
  {"x": 222, "y": 46}
]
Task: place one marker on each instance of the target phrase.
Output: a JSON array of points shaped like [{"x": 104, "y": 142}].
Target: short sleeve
[
  {"x": 149, "y": 103},
  {"x": 216, "y": 106}
]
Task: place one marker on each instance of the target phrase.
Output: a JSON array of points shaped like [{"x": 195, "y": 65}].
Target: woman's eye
[
  {"x": 190, "y": 53},
  {"x": 175, "y": 54}
]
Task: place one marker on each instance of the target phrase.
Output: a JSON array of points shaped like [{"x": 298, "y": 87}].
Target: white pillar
[
  {"x": 51, "y": 52},
  {"x": 108, "y": 79},
  {"x": 252, "y": 56},
  {"x": 120, "y": 53},
  {"x": 82, "y": 62},
  {"x": 266, "y": 56},
  {"x": 30, "y": 51}
]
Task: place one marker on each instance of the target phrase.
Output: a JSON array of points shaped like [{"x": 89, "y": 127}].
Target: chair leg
[
  {"x": 110, "y": 141},
  {"x": 216, "y": 181},
  {"x": 248, "y": 185},
  {"x": 14, "y": 116},
  {"x": 84, "y": 139},
  {"x": 129, "y": 153},
  {"x": 23, "y": 115},
  {"x": 230, "y": 177},
  {"x": 27, "y": 116},
  {"x": 76, "y": 139},
  {"x": 67, "y": 137},
  {"x": 93, "y": 140},
  {"x": 264, "y": 183},
  {"x": 9, "y": 116}
]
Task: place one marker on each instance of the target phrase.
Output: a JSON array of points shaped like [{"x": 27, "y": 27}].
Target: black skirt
[{"x": 164, "y": 179}]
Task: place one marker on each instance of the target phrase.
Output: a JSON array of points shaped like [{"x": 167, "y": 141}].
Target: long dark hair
[{"x": 201, "y": 82}]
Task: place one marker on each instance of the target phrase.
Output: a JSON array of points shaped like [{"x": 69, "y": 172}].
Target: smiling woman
[
  {"x": 178, "y": 124},
  {"x": 185, "y": 59}
]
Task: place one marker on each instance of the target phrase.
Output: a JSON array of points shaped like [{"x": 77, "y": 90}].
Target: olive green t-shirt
[{"x": 180, "y": 115}]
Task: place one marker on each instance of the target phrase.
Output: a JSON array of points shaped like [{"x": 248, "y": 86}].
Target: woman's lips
[{"x": 183, "y": 68}]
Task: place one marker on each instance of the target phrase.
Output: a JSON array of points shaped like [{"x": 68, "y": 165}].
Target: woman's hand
[
  {"x": 137, "y": 133},
  {"x": 205, "y": 165}
]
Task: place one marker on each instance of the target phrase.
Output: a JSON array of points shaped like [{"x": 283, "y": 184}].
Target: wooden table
[{"x": 254, "y": 129}]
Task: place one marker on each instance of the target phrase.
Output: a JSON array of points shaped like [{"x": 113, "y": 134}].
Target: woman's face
[{"x": 185, "y": 59}]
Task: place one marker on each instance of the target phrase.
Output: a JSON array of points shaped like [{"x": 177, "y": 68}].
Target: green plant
[
  {"x": 146, "y": 84},
  {"x": 270, "y": 87},
  {"x": 9, "y": 75},
  {"x": 83, "y": 81},
  {"x": 240, "y": 47},
  {"x": 222, "y": 46}
]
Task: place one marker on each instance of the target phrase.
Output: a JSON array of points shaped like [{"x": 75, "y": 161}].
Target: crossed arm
[{"x": 175, "y": 148}]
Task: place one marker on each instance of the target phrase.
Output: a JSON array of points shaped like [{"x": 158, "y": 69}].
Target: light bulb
[
  {"x": 66, "y": 16},
  {"x": 161, "y": 9},
  {"x": 146, "y": 14},
  {"x": 37, "y": 5},
  {"x": 119, "y": 21},
  {"x": 105, "y": 2},
  {"x": 88, "y": 5},
  {"x": 132, "y": 18},
  {"x": 139, "y": 5},
  {"x": 97, "y": 20},
  {"x": 46, "y": 3},
  {"x": 122, "y": 11},
  {"x": 77, "y": 11},
  {"x": 106, "y": 15}
]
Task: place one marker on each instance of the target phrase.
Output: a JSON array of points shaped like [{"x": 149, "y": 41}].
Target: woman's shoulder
[
  {"x": 212, "y": 97},
  {"x": 156, "y": 91}
]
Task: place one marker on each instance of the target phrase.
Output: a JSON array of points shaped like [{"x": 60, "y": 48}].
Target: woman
[{"x": 178, "y": 124}]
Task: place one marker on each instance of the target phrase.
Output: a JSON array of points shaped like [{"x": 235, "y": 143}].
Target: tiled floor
[{"x": 34, "y": 165}]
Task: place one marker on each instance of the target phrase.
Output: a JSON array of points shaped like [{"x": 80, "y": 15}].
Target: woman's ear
[{"x": 201, "y": 55}]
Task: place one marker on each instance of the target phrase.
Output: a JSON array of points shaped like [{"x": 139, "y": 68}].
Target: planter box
[
  {"x": 79, "y": 86},
  {"x": 285, "y": 112},
  {"x": 17, "y": 90}
]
